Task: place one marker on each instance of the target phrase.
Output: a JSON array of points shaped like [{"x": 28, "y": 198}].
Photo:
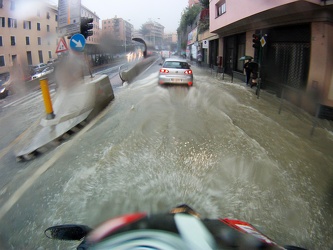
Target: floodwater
[{"x": 214, "y": 146}]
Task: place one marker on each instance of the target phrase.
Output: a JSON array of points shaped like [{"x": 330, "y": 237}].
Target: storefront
[
  {"x": 296, "y": 54},
  {"x": 233, "y": 50},
  {"x": 192, "y": 45}
]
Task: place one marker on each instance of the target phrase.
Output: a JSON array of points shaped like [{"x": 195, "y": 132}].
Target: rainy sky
[{"x": 137, "y": 12}]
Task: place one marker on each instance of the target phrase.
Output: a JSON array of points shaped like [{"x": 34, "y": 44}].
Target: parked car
[
  {"x": 44, "y": 72},
  {"x": 4, "y": 85},
  {"x": 39, "y": 67},
  {"x": 51, "y": 62},
  {"x": 175, "y": 71}
]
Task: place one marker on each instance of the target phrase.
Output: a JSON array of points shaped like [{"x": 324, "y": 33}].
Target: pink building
[{"x": 296, "y": 56}]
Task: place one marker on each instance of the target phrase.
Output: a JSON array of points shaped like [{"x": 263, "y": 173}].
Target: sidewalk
[
  {"x": 282, "y": 106},
  {"x": 220, "y": 76}
]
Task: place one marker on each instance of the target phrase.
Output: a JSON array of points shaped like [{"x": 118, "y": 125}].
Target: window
[
  {"x": 38, "y": 26},
  {"x": 12, "y": 23},
  {"x": 177, "y": 65},
  {"x": 12, "y": 5},
  {"x": 1, "y": 41},
  {"x": 27, "y": 40},
  {"x": 56, "y": 18},
  {"x": 48, "y": 15},
  {"x": 3, "y": 22},
  {"x": 2, "y": 61},
  {"x": 220, "y": 8},
  {"x": 39, "y": 40},
  {"x": 48, "y": 28},
  {"x": 27, "y": 25},
  {"x": 50, "y": 54},
  {"x": 40, "y": 55},
  {"x": 1, "y": 3},
  {"x": 29, "y": 57},
  {"x": 12, "y": 40}
]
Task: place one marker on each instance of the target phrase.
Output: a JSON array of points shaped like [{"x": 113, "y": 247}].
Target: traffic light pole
[
  {"x": 257, "y": 45},
  {"x": 86, "y": 27}
]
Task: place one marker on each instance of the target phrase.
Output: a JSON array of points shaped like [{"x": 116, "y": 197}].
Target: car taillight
[
  {"x": 164, "y": 71},
  {"x": 188, "y": 72}
]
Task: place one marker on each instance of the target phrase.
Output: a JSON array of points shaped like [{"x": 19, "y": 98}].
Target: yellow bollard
[{"x": 44, "y": 85}]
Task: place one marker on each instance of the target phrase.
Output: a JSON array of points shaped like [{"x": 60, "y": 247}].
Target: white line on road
[{"x": 30, "y": 97}]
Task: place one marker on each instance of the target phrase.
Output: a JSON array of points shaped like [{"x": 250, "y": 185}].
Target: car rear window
[{"x": 176, "y": 65}]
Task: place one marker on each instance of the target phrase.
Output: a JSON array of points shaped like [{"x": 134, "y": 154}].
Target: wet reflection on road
[{"x": 214, "y": 146}]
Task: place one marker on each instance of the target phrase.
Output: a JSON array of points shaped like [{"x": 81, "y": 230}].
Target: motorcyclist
[{"x": 182, "y": 228}]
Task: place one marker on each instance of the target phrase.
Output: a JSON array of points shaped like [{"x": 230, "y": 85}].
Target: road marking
[
  {"x": 31, "y": 180},
  {"x": 39, "y": 98},
  {"x": 30, "y": 97},
  {"x": 13, "y": 103}
]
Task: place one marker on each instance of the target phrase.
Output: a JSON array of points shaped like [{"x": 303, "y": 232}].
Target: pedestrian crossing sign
[{"x": 62, "y": 47}]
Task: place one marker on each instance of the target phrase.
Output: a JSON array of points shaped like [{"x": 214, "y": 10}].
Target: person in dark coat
[{"x": 248, "y": 70}]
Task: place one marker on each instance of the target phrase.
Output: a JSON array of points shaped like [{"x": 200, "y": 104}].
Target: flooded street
[{"x": 215, "y": 147}]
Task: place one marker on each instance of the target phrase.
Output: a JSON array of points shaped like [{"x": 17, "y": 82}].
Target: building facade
[
  {"x": 120, "y": 29},
  {"x": 171, "y": 37},
  {"x": 296, "y": 53},
  {"x": 28, "y": 34},
  {"x": 154, "y": 34},
  {"x": 170, "y": 41}
]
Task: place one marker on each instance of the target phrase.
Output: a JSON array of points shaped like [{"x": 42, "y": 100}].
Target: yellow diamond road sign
[{"x": 263, "y": 41}]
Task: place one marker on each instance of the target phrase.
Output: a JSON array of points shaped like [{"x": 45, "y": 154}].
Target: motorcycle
[{"x": 181, "y": 228}]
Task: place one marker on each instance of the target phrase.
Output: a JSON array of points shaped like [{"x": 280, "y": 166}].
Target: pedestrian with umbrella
[
  {"x": 247, "y": 67},
  {"x": 248, "y": 70}
]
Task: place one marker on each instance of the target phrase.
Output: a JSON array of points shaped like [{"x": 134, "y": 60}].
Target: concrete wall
[
  {"x": 321, "y": 64},
  {"x": 129, "y": 75},
  {"x": 249, "y": 50}
]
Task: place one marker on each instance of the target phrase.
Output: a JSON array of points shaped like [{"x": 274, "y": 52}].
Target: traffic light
[
  {"x": 86, "y": 26},
  {"x": 256, "y": 41}
]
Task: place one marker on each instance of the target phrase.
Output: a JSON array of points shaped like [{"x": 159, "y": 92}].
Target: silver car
[
  {"x": 44, "y": 72},
  {"x": 175, "y": 71}
]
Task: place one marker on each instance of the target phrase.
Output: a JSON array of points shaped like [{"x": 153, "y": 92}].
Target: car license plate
[{"x": 176, "y": 80}]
